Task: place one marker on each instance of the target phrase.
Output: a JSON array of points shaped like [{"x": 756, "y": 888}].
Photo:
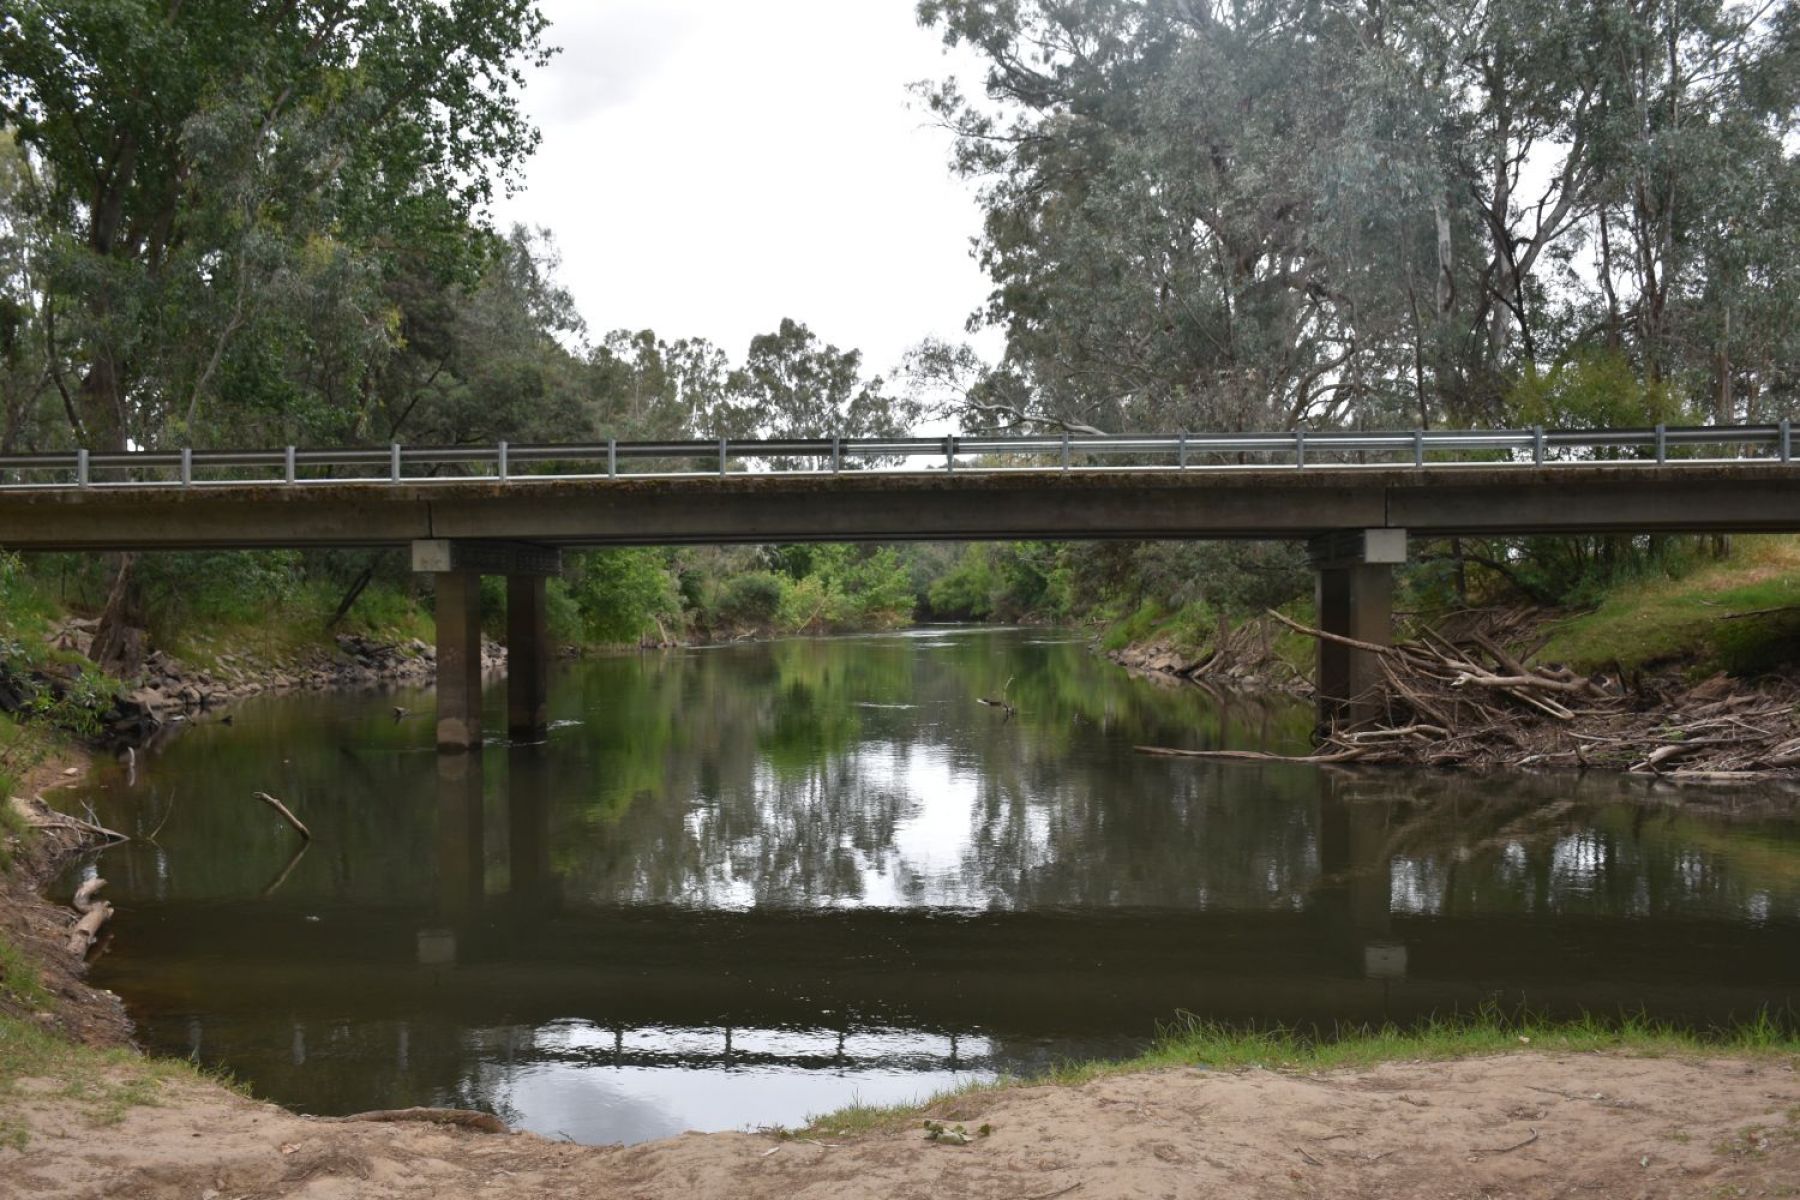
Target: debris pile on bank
[
  {"x": 1456, "y": 696},
  {"x": 1239, "y": 658}
]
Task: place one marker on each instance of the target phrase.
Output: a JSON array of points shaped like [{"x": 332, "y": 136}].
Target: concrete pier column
[
  {"x": 458, "y": 566},
  {"x": 458, "y": 660},
  {"x": 527, "y": 658},
  {"x": 1355, "y": 600}
]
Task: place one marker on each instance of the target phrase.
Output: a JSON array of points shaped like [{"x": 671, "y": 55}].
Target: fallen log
[
  {"x": 1251, "y": 755},
  {"x": 84, "y": 931},
  {"x": 289, "y": 817},
  {"x": 84, "y": 895}
]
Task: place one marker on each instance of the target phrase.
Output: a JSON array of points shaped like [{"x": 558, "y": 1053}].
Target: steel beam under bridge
[{"x": 965, "y": 505}]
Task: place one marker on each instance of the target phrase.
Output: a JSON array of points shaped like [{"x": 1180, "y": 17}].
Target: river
[{"x": 744, "y": 884}]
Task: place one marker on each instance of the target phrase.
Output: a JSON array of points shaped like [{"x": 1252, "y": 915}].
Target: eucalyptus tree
[
  {"x": 223, "y": 183},
  {"x": 793, "y": 385},
  {"x": 1232, "y": 212}
]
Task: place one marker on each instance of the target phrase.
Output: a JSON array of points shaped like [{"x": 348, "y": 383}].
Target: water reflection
[{"x": 745, "y": 884}]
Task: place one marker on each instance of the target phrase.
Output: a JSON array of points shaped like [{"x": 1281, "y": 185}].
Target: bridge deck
[{"x": 1255, "y": 502}]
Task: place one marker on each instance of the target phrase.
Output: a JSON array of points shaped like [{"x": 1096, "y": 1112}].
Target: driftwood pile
[{"x": 1461, "y": 694}]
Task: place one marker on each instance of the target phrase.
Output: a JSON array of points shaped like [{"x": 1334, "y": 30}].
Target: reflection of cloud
[{"x": 610, "y": 51}]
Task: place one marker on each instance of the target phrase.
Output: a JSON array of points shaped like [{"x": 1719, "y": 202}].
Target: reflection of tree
[{"x": 862, "y": 770}]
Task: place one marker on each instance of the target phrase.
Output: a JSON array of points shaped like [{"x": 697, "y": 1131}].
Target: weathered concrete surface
[
  {"x": 458, "y": 660},
  {"x": 964, "y": 505},
  {"x": 1354, "y": 601}
]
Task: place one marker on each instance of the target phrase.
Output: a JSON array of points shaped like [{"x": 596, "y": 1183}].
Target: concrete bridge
[{"x": 469, "y": 511}]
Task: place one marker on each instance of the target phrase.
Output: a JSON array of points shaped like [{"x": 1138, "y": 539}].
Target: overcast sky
[{"x": 711, "y": 166}]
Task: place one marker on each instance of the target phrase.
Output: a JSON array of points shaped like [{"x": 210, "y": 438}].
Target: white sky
[{"x": 711, "y": 166}]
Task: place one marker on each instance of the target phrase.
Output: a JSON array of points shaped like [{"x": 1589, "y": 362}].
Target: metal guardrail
[{"x": 1307, "y": 450}]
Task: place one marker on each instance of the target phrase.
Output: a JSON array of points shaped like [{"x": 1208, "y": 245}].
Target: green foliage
[
  {"x": 1137, "y": 627},
  {"x": 24, "y": 605},
  {"x": 752, "y": 599},
  {"x": 622, "y": 594},
  {"x": 1232, "y": 216},
  {"x": 1592, "y": 391},
  {"x": 967, "y": 592},
  {"x": 235, "y": 587},
  {"x": 1695, "y": 616},
  {"x": 344, "y": 151},
  {"x": 19, "y": 979}
]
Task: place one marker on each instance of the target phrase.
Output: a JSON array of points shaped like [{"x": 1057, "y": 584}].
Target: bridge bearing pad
[{"x": 442, "y": 555}]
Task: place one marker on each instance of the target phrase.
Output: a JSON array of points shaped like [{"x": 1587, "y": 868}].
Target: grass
[
  {"x": 1209, "y": 1045},
  {"x": 291, "y": 625},
  {"x": 1654, "y": 621},
  {"x": 103, "y": 1085},
  {"x": 19, "y": 980}
]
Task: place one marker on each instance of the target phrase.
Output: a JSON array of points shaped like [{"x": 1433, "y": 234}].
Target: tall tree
[{"x": 210, "y": 167}]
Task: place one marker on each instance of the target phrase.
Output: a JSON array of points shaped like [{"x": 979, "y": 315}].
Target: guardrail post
[
  {"x": 1662, "y": 443},
  {"x": 1181, "y": 452},
  {"x": 1065, "y": 450},
  {"x": 1300, "y": 446},
  {"x": 721, "y": 456},
  {"x": 837, "y": 454},
  {"x": 1537, "y": 445},
  {"x": 950, "y": 453},
  {"x": 81, "y": 468},
  {"x": 1787, "y": 442},
  {"x": 187, "y": 466},
  {"x": 394, "y": 462},
  {"x": 612, "y": 457},
  {"x": 501, "y": 462},
  {"x": 1418, "y": 447}
]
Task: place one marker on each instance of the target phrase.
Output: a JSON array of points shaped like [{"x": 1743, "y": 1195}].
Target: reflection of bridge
[{"x": 505, "y": 511}]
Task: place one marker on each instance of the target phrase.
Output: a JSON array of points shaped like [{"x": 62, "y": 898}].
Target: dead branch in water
[
  {"x": 1251, "y": 755},
  {"x": 287, "y": 816},
  {"x": 1467, "y": 694}
]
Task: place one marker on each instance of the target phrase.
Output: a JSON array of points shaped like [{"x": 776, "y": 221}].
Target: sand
[{"x": 1524, "y": 1125}]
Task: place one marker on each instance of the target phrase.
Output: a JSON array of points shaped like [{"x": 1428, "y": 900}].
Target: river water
[{"x": 745, "y": 884}]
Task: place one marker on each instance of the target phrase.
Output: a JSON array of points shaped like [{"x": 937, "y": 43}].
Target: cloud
[{"x": 611, "y": 50}]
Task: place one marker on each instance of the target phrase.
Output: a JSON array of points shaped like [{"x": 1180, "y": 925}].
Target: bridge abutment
[
  {"x": 457, "y": 567},
  {"x": 1355, "y": 594}
]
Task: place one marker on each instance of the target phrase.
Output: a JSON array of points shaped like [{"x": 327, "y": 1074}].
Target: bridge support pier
[
  {"x": 527, "y": 658},
  {"x": 458, "y": 567},
  {"x": 1355, "y": 600},
  {"x": 458, "y": 660}
]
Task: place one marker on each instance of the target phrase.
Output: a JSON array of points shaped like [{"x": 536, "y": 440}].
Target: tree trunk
[{"x": 116, "y": 642}]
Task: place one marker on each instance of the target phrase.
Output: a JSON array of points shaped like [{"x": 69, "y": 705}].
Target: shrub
[{"x": 753, "y": 598}]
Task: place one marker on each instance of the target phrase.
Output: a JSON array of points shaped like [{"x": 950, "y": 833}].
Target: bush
[
  {"x": 751, "y": 599},
  {"x": 967, "y": 591},
  {"x": 623, "y": 594}
]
